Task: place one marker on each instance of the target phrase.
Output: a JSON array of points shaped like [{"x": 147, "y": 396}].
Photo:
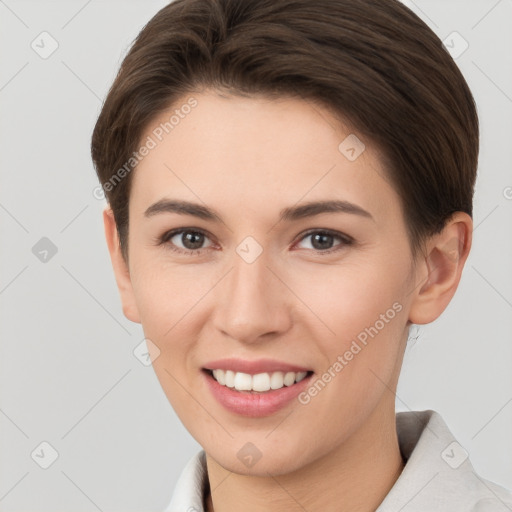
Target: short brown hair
[{"x": 373, "y": 63}]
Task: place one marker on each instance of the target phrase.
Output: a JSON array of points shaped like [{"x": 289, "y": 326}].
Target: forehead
[{"x": 257, "y": 152}]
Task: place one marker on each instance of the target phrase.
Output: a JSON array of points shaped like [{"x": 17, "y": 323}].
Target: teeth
[
  {"x": 277, "y": 380},
  {"x": 289, "y": 378},
  {"x": 220, "y": 376},
  {"x": 260, "y": 382},
  {"x": 300, "y": 376},
  {"x": 243, "y": 382},
  {"x": 229, "y": 377}
]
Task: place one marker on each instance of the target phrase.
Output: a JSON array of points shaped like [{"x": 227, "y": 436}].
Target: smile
[
  {"x": 260, "y": 383},
  {"x": 255, "y": 388}
]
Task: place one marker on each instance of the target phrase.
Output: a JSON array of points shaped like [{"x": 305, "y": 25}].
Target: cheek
[
  {"x": 349, "y": 298},
  {"x": 163, "y": 306},
  {"x": 168, "y": 301},
  {"x": 365, "y": 309},
  {"x": 167, "y": 295}
]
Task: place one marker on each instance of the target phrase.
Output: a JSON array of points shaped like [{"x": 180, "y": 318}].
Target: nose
[{"x": 252, "y": 304}]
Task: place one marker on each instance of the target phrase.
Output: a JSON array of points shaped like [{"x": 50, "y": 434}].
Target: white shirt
[{"x": 437, "y": 477}]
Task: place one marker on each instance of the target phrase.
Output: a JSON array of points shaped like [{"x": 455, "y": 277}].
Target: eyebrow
[{"x": 286, "y": 214}]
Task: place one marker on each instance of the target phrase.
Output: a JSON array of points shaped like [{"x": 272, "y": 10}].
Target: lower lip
[{"x": 255, "y": 404}]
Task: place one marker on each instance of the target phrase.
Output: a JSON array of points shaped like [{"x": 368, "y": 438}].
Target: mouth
[
  {"x": 259, "y": 383},
  {"x": 255, "y": 388}
]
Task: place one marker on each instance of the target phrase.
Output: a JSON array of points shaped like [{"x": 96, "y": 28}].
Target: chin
[{"x": 251, "y": 461}]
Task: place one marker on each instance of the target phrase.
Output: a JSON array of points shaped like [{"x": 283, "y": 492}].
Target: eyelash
[{"x": 164, "y": 240}]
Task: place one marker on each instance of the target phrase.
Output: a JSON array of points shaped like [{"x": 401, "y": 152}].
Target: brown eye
[
  {"x": 186, "y": 240},
  {"x": 326, "y": 241}
]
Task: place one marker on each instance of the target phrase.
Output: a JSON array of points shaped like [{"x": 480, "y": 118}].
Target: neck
[{"x": 355, "y": 476}]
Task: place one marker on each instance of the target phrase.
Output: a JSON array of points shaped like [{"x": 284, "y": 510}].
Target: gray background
[{"x": 68, "y": 373}]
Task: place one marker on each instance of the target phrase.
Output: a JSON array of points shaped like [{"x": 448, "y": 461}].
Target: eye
[
  {"x": 323, "y": 241},
  {"x": 186, "y": 240},
  {"x": 191, "y": 241}
]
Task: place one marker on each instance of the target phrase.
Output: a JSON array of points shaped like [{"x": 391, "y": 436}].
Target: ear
[
  {"x": 439, "y": 269},
  {"x": 121, "y": 269}
]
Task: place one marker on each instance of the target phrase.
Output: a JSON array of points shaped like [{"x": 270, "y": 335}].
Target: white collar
[{"x": 438, "y": 476}]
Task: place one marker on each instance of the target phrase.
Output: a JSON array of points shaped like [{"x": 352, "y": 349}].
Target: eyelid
[
  {"x": 345, "y": 240},
  {"x": 172, "y": 232},
  {"x": 330, "y": 232},
  {"x": 164, "y": 239}
]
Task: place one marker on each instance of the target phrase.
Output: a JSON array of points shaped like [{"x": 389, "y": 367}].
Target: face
[{"x": 262, "y": 243}]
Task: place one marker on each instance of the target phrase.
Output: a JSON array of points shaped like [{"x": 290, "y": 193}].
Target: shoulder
[
  {"x": 494, "y": 498},
  {"x": 438, "y": 474}
]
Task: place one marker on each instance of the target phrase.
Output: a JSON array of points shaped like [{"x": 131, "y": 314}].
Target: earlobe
[
  {"x": 120, "y": 267},
  {"x": 440, "y": 269}
]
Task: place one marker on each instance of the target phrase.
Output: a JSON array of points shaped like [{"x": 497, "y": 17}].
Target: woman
[{"x": 289, "y": 189}]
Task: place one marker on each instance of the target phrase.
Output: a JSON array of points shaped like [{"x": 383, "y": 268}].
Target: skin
[{"x": 248, "y": 158}]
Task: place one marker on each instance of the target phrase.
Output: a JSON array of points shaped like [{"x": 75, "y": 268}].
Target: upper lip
[{"x": 254, "y": 367}]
